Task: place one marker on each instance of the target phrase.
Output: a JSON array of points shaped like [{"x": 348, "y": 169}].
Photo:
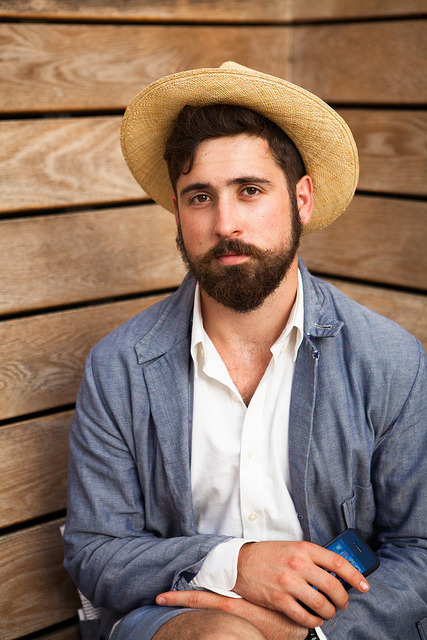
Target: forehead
[{"x": 239, "y": 154}]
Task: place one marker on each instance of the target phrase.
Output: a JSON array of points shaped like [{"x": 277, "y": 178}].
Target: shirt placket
[{"x": 251, "y": 468}]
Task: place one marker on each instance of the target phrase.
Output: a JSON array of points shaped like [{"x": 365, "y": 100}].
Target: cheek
[
  {"x": 274, "y": 225},
  {"x": 195, "y": 235}
]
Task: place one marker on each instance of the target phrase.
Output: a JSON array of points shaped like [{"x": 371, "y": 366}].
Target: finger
[
  {"x": 296, "y": 611},
  {"x": 192, "y": 599},
  {"x": 271, "y": 623},
  {"x": 316, "y": 603},
  {"x": 296, "y": 584},
  {"x": 322, "y": 591},
  {"x": 341, "y": 567}
]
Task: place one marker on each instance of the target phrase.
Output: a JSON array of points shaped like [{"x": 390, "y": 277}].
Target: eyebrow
[
  {"x": 194, "y": 186},
  {"x": 201, "y": 186}
]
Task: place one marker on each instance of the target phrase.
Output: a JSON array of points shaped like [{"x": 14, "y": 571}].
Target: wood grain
[
  {"x": 35, "y": 590},
  {"x": 68, "y": 258},
  {"x": 406, "y": 309},
  {"x": 151, "y": 10},
  {"x": 33, "y": 468},
  {"x": 77, "y": 161},
  {"x": 392, "y": 148},
  {"x": 60, "y": 67},
  {"x": 191, "y": 10},
  {"x": 363, "y": 63},
  {"x": 42, "y": 357},
  {"x": 61, "y": 162},
  {"x": 350, "y": 9},
  {"x": 378, "y": 240}
]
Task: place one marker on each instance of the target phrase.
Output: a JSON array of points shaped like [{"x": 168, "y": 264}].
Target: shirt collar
[
  {"x": 198, "y": 343},
  {"x": 296, "y": 320},
  {"x": 294, "y": 330}
]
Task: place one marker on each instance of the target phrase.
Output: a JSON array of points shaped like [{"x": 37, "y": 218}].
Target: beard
[{"x": 243, "y": 287}]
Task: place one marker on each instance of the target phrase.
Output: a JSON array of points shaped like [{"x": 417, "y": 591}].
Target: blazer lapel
[
  {"x": 319, "y": 322},
  {"x": 169, "y": 390},
  {"x": 300, "y": 428},
  {"x": 164, "y": 355}
]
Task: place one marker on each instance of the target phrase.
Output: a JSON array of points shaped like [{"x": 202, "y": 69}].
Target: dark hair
[{"x": 196, "y": 124}]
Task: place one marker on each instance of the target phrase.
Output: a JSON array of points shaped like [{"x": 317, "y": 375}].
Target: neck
[{"x": 262, "y": 326}]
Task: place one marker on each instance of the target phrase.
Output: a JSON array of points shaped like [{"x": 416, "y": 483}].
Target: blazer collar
[
  {"x": 320, "y": 318},
  {"x": 172, "y": 327}
]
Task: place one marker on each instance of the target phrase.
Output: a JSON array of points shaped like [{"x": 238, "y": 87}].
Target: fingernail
[
  {"x": 364, "y": 585},
  {"x": 161, "y": 600}
]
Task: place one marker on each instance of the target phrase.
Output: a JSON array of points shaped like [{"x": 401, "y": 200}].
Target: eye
[
  {"x": 251, "y": 191},
  {"x": 199, "y": 198}
]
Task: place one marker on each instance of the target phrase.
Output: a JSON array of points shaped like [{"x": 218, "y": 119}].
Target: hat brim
[{"x": 322, "y": 137}]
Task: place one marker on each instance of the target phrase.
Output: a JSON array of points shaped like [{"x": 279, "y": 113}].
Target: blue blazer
[{"x": 357, "y": 443}]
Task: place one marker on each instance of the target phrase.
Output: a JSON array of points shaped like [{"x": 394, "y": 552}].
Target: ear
[
  {"x": 304, "y": 194},
  {"x": 175, "y": 209}
]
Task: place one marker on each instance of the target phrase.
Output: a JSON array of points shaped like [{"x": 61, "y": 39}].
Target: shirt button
[
  {"x": 251, "y": 454},
  {"x": 253, "y": 516}
]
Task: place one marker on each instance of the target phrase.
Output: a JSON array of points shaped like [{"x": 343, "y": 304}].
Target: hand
[
  {"x": 278, "y": 574},
  {"x": 272, "y": 624}
]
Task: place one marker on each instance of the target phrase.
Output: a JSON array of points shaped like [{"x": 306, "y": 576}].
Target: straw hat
[{"x": 322, "y": 137}]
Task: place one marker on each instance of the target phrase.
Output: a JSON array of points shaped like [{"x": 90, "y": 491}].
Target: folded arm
[{"x": 124, "y": 541}]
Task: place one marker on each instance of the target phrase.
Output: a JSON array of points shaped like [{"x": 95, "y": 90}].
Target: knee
[
  {"x": 226, "y": 626},
  {"x": 208, "y": 625}
]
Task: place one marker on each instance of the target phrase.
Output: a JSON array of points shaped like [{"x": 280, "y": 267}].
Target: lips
[
  {"x": 232, "y": 258},
  {"x": 233, "y": 249}
]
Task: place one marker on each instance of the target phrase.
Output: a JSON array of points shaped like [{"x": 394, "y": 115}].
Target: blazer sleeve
[
  {"x": 396, "y": 605},
  {"x": 115, "y": 560}
]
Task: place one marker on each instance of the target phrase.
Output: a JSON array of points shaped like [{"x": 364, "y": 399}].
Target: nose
[{"x": 228, "y": 220}]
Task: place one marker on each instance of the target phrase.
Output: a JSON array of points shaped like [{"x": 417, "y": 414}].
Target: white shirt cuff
[{"x": 219, "y": 570}]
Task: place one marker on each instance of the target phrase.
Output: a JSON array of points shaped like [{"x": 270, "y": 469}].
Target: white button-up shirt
[{"x": 239, "y": 462}]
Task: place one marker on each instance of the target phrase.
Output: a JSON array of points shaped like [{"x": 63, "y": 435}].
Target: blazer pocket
[
  {"x": 422, "y": 628},
  {"x": 359, "y": 511}
]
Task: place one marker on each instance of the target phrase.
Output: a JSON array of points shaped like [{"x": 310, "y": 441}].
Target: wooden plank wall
[{"x": 82, "y": 249}]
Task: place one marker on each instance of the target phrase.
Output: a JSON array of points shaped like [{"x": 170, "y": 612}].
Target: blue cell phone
[{"x": 351, "y": 546}]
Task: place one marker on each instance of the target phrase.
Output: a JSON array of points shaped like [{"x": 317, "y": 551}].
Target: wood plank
[
  {"x": 57, "y": 67},
  {"x": 151, "y": 10},
  {"x": 350, "y": 9},
  {"x": 369, "y": 63},
  {"x": 407, "y": 309},
  {"x": 77, "y": 161},
  {"x": 377, "y": 239},
  {"x": 33, "y": 468},
  {"x": 64, "y": 161},
  {"x": 62, "y": 259},
  {"x": 35, "y": 590},
  {"x": 191, "y": 10},
  {"x": 42, "y": 357},
  {"x": 392, "y": 146}
]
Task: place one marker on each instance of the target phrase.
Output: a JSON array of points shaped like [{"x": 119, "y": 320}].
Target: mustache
[{"x": 235, "y": 246}]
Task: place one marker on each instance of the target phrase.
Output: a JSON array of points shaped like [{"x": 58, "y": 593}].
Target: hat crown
[{"x": 234, "y": 66}]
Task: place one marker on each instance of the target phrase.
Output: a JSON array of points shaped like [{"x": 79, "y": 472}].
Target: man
[{"x": 223, "y": 436}]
